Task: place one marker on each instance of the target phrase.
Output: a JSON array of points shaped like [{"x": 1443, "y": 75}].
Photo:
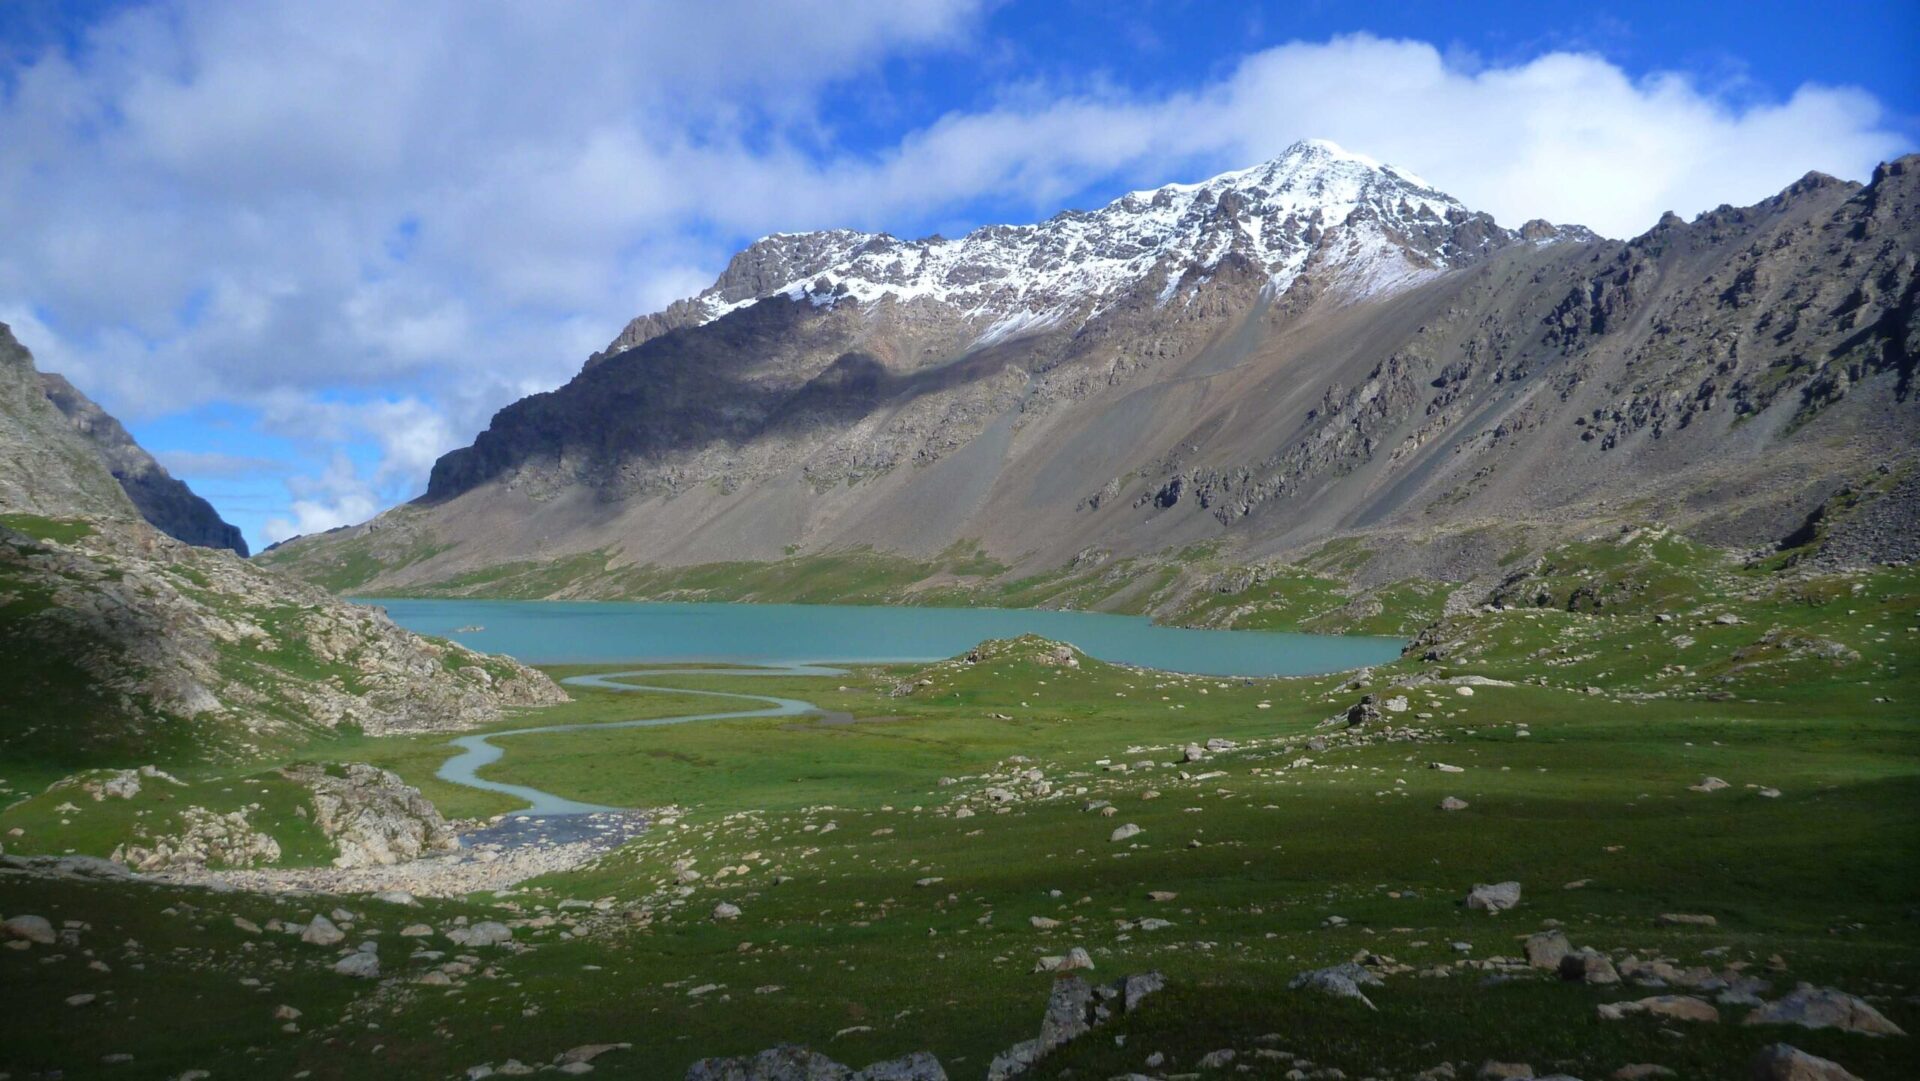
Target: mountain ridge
[
  {"x": 1312, "y": 187},
  {"x": 1729, "y": 375}
]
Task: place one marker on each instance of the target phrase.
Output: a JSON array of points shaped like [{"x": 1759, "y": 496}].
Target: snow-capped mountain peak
[{"x": 1358, "y": 227}]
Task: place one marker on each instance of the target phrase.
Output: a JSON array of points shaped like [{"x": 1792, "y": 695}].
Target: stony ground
[{"x": 1607, "y": 830}]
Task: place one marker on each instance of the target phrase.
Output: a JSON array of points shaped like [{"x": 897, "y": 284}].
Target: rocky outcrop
[
  {"x": 45, "y": 466},
  {"x": 165, "y": 502},
  {"x": 206, "y": 839},
  {"x": 1074, "y": 1008},
  {"x": 373, "y": 818},
  {"x": 159, "y": 632}
]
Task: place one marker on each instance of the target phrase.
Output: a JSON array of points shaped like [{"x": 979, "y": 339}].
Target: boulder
[
  {"x": 1339, "y": 981},
  {"x": 1452, "y": 803},
  {"x": 1672, "y": 1007},
  {"x": 1708, "y": 784},
  {"x": 1684, "y": 919},
  {"x": 1588, "y": 966},
  {"x": 1495, "y": 898},
  {"x": 1075, "y": 958},
  {"x": 365, "y": 966},
  {"x": 484, "y": 933},
  {"x": 1824, "y": 1007},
  {"x": 322, "y": 932},
  {"x": 1363, "y": 712},
  {"x": 1074, "y": 1007},
  {"x": 1126, "y": 831},
  {"x": 35, "y": 929},
  {"x": 1785, "y": 1062},
  {"x": 726, "y": 910},
  {"x": 1547, "y": 949}
]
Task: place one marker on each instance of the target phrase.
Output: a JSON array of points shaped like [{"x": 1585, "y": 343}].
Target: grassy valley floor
[{"x": 902, "y": 865}]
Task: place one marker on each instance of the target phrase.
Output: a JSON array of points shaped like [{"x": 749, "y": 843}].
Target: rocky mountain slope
[
  {"x": 161, "y": 499},
  {"x": 120, "y": 643},
  {"x": 1316, "y": 349}
]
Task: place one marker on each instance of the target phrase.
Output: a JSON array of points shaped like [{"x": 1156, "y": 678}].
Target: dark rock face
[{"x": 165, "y": 502}]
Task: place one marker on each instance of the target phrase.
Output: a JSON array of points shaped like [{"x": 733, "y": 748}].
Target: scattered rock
[
  {"x": 33, "y": 929},
  {"x": 1547, "y": 949},
  {"x": 1672, "y": 1007},
  {"x": 1126, "y": 831},
  {"x": 1683, "y": 919},
  {"x": 588, "y": 1052},
  {"x": 484, "y": 933},
  {"x": 1453, "y": 804},
  {"x": 322, "y": 932},
  {"x": 1824, "y": 1007},
  {"x": 1785, "y": 1062},
  {"x": 1495, "y": 898},
  {"x": 726, "y": 910},
  {"x": 1588, "y": 966},
  {"x": 365, "y": 966},
  {"x": 1708, "y": 784},
  {"x": 1339, "y": 981},
  {"x": 1076, "y": 958}
]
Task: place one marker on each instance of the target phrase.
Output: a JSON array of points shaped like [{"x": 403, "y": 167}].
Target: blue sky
[{"x": 304, "y": 249}]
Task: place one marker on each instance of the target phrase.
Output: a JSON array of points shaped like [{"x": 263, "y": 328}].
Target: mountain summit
[{"x": 1361, "y": 227}]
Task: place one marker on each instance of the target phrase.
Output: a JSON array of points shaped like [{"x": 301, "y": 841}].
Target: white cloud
[
  {"x": 338, "y": 496},
  {"x": 439, "y": 206}
]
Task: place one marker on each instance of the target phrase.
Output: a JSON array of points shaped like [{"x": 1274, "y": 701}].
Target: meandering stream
[
  {"x": 476, "y": 752},
  {"x": 764, "y": 639}
]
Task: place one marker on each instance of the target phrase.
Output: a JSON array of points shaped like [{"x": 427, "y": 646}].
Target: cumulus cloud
[{"x": 375, "y": 224}]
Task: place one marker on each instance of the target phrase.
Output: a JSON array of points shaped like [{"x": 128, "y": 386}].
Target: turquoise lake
[{"x": 617, "y": 632}]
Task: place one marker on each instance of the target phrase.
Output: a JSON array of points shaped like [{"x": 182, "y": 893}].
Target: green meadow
[{"x": 875, "y": 919}]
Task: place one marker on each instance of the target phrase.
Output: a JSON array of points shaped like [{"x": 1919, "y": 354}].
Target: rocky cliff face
[
  {"x": 1319, "y": 347},
  {"x": 44, "y": 467},
  {"x": 118, "y": 642},
  {"x": 168, "y": 504}
]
